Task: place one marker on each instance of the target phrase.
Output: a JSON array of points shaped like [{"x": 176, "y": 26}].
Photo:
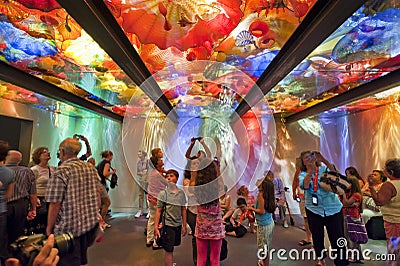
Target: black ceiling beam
[
  {"x": 22, "y": 79},
  {"x": 322, "y": 20},
  {"x": 378, "y": 85},
  {"x": 97, "y": 20}
]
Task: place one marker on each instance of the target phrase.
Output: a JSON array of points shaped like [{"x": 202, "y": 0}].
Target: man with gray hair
[
  {"x": 73, "y": 204},
  {"x": 23, "y": 198}
]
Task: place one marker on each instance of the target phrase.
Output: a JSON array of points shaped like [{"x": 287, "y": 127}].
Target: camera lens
[{"x": 64, "y": 243}]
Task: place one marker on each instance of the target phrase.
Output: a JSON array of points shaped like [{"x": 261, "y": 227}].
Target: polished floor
[{"x": 124, "y": 245}]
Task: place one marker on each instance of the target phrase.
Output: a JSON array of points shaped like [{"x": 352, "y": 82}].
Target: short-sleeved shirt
[
  {"x": 6, "y": 178},
  {"x": 174, "y": 202},
  {"x": 354, "y": 211},
  {"x": 42, "y": 175},
  {"x": 156, "y": 183},
  {"x": 74, "y": 185},
  {"x": 328, "y": 202},
  {"x": 24, "y": 182},
  {"x": 236, "y": 217},
  {"x": 279, "y": 189},
  {"x": 142, "y": 167}
]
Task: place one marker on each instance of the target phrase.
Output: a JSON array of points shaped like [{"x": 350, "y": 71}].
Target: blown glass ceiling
[
  {"x": 362, "y": 49},
  {"x": 42, "y": 39},
  {"x": 20, "y": 95}
]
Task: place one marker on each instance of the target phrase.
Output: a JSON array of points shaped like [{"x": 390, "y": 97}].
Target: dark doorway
[{"x": 18, "y": 133}]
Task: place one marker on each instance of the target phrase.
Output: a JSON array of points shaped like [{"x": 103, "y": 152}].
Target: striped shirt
[
  {"x": 24, "y": 182},
  {"x": 74, "y": 185}
]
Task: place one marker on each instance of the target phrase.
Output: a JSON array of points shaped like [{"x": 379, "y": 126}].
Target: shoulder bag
[
  {"x": 334, "y": 182},
  {"x": 162, "y": 239},
  {"x": 356, "y": 230}
]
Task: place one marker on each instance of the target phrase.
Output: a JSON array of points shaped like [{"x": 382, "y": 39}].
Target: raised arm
[
  {"x": 88, "y": 148},
  {"x": 189, "y": 150},
  {"x": 321, "y": 158},
  {"x": 206, "y": 149}
]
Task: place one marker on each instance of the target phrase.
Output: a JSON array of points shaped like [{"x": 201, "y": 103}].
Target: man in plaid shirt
[{"x": 72, "y": 194}]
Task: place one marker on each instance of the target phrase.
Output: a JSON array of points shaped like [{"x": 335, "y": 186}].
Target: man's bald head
[{"x": 13, "y": 157}]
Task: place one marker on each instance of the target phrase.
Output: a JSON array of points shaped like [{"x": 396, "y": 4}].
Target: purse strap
[{"x": 164, "y": 208}]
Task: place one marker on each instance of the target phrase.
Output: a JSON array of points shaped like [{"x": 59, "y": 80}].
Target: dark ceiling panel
[
  {"x": 378, "y": 85},
  {"x": 15, "y": 76},
  {"x": 96, "y": 19},
  {"x": 320, "y": 22}
]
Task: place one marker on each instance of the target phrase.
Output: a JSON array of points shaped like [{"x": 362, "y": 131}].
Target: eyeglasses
[{"x": 45, "y": 151}]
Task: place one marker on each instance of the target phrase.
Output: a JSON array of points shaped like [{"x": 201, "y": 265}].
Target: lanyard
[
  {"x": 316, "y": 179},
  {"x": 241, "y": 218}
]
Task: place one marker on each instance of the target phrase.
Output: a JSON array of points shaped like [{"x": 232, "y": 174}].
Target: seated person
[
  {"x": 225, "y": 202},
  {"x": 239, "y": 221},
  {"x": 376, "y": 179},
  {"x": 243, "y": 192}
]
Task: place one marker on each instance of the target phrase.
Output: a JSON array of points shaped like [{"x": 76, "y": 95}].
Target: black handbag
[
  {"x": 113, "y": 180},
  {"x": 224, "y": 250}
]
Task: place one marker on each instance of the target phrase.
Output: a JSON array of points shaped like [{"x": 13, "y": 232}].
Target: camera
[
  {"x": 197, "y": 138},
  {"x": 26, "y": 248},
  {"x": 77, "y": 136}
]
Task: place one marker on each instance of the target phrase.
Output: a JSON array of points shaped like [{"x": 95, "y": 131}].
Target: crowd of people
[
  {"x": 73, "y": 199},
  {"x": 68, "y": 199}
]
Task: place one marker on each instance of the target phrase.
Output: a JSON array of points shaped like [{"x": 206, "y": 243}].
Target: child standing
[
  {"x": 264, "y": 207},
  {"x": 175, "y": 215},
  {"x": 352, "y": 206}
]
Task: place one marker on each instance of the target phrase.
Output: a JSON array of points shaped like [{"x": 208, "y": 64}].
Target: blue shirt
[
  {"x": 328, "y": 202},
  {"x": 263, "y": 219},
  {"x": 6, "y": 178}
]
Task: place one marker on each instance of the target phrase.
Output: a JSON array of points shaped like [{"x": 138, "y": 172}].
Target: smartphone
[{"x": 216, "y": 160}]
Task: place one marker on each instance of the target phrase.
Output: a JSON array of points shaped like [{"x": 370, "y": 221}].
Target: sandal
[{"x": 304, "y": 242}]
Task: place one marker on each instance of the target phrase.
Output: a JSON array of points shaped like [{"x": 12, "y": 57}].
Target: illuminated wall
[
  {"x": 50, "y": 128},
  {"x": 364, "y": 140}
]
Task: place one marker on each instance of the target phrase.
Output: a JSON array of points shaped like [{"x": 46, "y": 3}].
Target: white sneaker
[
  {"x": 285, "y": 224},
  {"x": 148, "y": 215},
  {"x": 138, "y": 214}
]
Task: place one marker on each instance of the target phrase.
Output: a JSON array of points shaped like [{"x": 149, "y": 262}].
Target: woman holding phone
[{"x": 323, "y": 208}]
